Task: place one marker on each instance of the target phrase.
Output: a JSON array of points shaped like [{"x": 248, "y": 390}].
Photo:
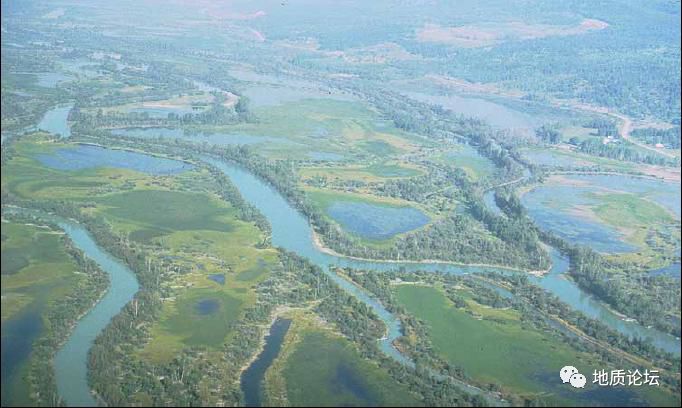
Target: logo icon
[{"x": 570, "y": 374}]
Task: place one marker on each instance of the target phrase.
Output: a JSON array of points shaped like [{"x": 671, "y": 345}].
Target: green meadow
[
  {"x": 178, "y": 216},
  {"x": 347, "y": 127},
  {"x": 203, "y": 237},
  {"x": 158, "y": 212},
  {"x": 371, "y": 173},
  {"x": 468, "y": 159},
  {"x": 631, "y": 210},
  {"x": 319, "y": 368},
  {"x": 491, "y": 345},
  {"x": 35, "y": 267},
  {"x": 496, "y": 346}
]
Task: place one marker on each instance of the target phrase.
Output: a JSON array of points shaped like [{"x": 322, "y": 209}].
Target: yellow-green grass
[
  {"x": 231, "y": 254},
  {"x": 182, "y": 102},
  {"x": 34, "y": 265},
  {"x": 366, "y": 173},
  {"x": 496, "y": 346},
  {"x": 579, "y": 132},
  {"x": 152, "y": 213},
  {"x": 317, "y": 367},
  {"x": 582, "y": 159},
  {"x": 629, "y": 209},
  {"x": 468, "y": 159},
  {"x": 328, "y": 125},
  {"x": 640, "y": 220},
  {"x": 202, "y": 235}
]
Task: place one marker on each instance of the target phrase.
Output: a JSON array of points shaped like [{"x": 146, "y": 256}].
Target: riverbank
[{"x": 320, "y": 246}]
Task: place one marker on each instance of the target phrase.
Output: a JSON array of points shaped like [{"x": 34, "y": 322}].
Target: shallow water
[
  {"x": 552, "y": 207},
  {"x": 207, "y": 306},
  {"x": 56, "y": 122},
  {"x": 498, "y": 115},
  {"x": 672, "y": 270},
  {"x": 88, "y": 156},
  {"x": 70, "y": 363},
  {"x": 252, "y": 378},
  {"x": 376, "y": 221},
  {"x": 47, "y": 79},
  {"x": 18, "y": 335},
  {"x": 218, "y": 278}
]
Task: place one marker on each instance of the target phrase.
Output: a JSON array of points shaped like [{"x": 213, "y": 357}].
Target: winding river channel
[
  {"x": 71, "y": 360},
  {"x": 291, "y": 231}
]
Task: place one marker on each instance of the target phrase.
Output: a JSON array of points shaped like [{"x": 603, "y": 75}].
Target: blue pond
[
  {"x": 207, "y": 306},
  {"x": 87, "y": 156},
  {"x": 672, "y": 270},
  {"x": 56, "y": 121},
  {"x": 218, "y": 278},
  {"x": 376, "y": 221}
]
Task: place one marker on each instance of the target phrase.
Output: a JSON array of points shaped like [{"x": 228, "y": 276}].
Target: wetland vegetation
[{"x": 300, "y": 203}]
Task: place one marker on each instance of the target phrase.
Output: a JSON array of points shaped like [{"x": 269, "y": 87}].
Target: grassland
[
  {"x": 317, "y": 367},
  {"x": 203, "y": 237},
  {"x": 491, "y": 345},
  {"x": 630, "y": 210},
  {"x": 35, "y": 267},
  {"x": 496, "y": 346},
  {"x": 188, "y": 227},
  {"x": 366, "y": 173},
  {"x": 468, "y": 159},
  {"x": 27, "y": 178},
  {"x": 330, "y": 125},
  {"x": 179, "y": 104},
  {"x": 645, "y": 224}
]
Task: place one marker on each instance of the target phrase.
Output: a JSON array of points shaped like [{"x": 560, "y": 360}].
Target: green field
[
  {"x": 371, "y": 173},
  {"x": 319, "y": 368},
  {"x": 469, "y": 160},
  {"x": 35, "y": 267},
  {"x": 203, "y": 236},
  {"x": 346, "y": 127},
  {"x": 158, "y": 212},
  {"x": 630, "y": 210},
  {"x": 495, "y": 346}
]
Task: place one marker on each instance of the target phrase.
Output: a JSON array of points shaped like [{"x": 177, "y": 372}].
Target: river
[
  {"x": 291, "y": 231},
  {"x": 70, "y": 362}
]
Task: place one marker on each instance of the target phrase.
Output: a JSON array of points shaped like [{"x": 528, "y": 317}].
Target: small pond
[
  {"x": 207, "y": 306},
  {"x": 376, "y": 221}
]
